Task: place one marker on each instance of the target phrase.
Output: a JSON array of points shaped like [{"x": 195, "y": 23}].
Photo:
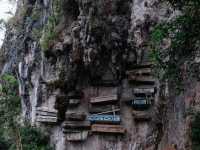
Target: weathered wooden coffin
[
  {"x": 76, "y": 136},
  {"x": 105, "y": 109},
  {"x": 76, "y": 125},
  {"x": 144, "y": 90},
  {"x": 115, "y": 119},
  {"x": 141, "y": 79},
  {"x": 46, "y": 119},
  {"x": 102, "y": 128},
  {"x": 104, "y": 99},
  {"x": 45, "y": 115},
  {"x": 74, "y": 102},
  {"x": 141, "y": 116},
  {"x": 140, "y": 71},
  {"x": 140, "y": 102},
  {"x": 75, "y": 116}
]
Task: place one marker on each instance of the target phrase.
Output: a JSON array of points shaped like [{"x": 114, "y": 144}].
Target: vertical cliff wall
[{"x": 86, "y": 76}]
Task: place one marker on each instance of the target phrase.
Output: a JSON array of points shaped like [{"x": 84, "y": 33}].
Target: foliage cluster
[
  {"x": 49, "y": 33},
  {"x": 183, "y": 35},
  {"x": 14, "y": 135}
]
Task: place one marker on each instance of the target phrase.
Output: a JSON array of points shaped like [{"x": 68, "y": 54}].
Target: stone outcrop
[{"x": 95, "y": 62}]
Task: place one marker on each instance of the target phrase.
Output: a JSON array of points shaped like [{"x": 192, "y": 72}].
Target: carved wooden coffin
[
  {"x": 141, "y": 116},
  {"x": 102, "y": 128},
  {"x": 104, "y": 99},
  {"x": 105, "y": 109},
  {"x": 76, "y": 125},
  {"x": 74, "y": 102},
  {"x": 75, "y": 116},
  {"x": 115, "y": 119},
  {"x": 76, "y": 136}
]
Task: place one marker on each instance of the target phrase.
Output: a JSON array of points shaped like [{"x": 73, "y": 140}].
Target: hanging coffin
[
  {"x": 76, "y": 125},
  {"x": 140, "y": 71},
  {"x": 144, "y": 90},
  {"x": 141, "y": 103},
  {"x": 76, "y": 136},
  {"x": 141, "y": 116},
  {"x": 75, "y": 116},
  {"x": 141, "y": 79},
  {"x": 103, "y": 109},
  {"x": 74, "y": 102},
  {"x": 114, "y": 119},
  {"x": 102, "y": 128},
  {"x": 104, "y": 99},
  {"x": 45, "y": 115}
]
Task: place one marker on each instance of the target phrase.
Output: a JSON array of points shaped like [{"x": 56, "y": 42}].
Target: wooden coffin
[
  {"x": 141, "y": 103},
  {"x": 75, "y": 116},
  {"x": 104, "y": 109},
  {"x": 141, "y": 116},
  {"x": 105, "y": 83},
  {"x": 102, "y": 128},
  {"x": 74, "y": 102},
  {"x": 76, "y": 136},
  {"x": 46, "y": 115},
  {"x": 140, "y": 71},
  {"x": 114, "y": 119},
  {"x": 104, "y": 99},
  {"x": 76, "y": 125},
  {"x": 46, "y": 119},
  {"x": 144, "y": 90},
  {"x": 141, "y": 79}
]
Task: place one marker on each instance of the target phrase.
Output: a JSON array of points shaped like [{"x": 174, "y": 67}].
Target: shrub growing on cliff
[
  {"x": 13, "y": 135},
  {"x": 182, "y": 35}
]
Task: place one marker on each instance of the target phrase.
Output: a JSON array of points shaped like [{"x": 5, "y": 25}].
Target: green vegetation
[
  {"x": 14, "y": 135},
  {"x": 49, "y": 33},
  {"x": 183, "y": 36},
  {"x": 195, "y": 132}
]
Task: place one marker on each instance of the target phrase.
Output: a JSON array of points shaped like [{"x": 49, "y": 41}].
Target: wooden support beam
[
  {"x": 76, "y": 125},
  {"x": 104, "y": 99},
  {"x": 102, "y": 128},
  {"x": 114, "y": 119},
  {"x": 75, "y": 116}
]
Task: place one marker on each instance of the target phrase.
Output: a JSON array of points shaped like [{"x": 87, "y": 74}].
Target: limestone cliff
[{"x": 86, "y": 76}]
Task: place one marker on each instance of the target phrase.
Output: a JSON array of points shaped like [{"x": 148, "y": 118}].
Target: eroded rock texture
[{"x": 100, "y": 49}]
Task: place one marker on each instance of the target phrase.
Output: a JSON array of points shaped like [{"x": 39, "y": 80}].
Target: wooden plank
[
  {"x": 144, "y": 90},
  {"x": 79, "y": 136},
  {"x": 103, "y": 99},
  {"x": 105, "y": 108},
  {"x": 76, "y": 125},
  {"x": 74, "y": 102},
  {"x": 115, "y": 119},
  {"x": 75, "y": 116},
  {"x": 141, "y": 116},
  {"x": 102, "y": 128}
]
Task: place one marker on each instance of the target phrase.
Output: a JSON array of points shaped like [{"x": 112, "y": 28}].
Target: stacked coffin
[
  {"x": 76, "y": 127},
  {"x": 46, "y": 115},
  {"x": 74, "y": 98},
  {"x": 143, "y": 91},
  {"x": 104, "y": 115}
]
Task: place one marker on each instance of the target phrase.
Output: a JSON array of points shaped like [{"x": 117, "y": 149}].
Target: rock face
[{"x": 96, "y": 64}]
